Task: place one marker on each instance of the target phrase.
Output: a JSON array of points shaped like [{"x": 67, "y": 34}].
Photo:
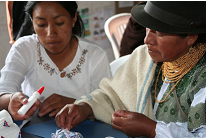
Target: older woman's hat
[{"x": 174, "y": 17}]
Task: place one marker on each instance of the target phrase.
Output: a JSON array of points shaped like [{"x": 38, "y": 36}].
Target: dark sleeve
[{"x": 133, "y": 37}]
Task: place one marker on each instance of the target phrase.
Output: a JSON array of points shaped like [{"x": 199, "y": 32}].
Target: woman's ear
[
  {"x": 74, "y": 19},
  {"x": 192, "y": 38}
]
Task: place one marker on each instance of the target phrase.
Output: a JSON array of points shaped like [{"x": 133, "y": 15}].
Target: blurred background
[{"x": 94, "y": 15}]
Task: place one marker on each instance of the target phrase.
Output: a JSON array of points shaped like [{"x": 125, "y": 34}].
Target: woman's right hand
[
  {"x": 16, "y": 102},
  {"x": 71, "y": 115}
]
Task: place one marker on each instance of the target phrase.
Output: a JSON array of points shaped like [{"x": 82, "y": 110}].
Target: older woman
[
  {"x": 56, "y": 57},
  {"x": 161, "y": 90}
]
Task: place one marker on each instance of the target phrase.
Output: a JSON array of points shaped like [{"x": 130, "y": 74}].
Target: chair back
[
  {"x": 114, "y": 28},
  {"x": 114, "y": 65}
]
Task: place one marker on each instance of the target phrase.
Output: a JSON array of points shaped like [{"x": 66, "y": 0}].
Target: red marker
[{"x": 31, "y": 101}]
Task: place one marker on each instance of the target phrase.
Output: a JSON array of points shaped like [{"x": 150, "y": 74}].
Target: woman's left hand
[
  {"x": 133, "y": 124},
  {"x": 53, "y": 104}
]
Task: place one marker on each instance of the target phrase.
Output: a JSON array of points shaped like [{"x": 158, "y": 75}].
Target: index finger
[
  {"x": 70, "y": 118},
  {"x": 62, "y": 118}
]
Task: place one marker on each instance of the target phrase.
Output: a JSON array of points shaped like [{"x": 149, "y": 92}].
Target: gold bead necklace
[{"x": 175, "y": 70}]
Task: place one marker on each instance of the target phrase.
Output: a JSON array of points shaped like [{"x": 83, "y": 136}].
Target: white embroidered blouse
[{"x": 28, "y": 67}]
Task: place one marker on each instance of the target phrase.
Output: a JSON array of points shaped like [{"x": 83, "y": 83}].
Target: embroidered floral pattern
[{"x": 51, "y": 70}]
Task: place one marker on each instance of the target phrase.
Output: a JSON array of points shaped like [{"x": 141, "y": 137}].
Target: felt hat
[{"x": 173, "y": 17}]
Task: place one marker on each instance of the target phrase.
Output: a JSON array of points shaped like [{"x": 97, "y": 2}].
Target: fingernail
[
  {"x": 24, "y": 100},
  {"x": 40, "y": 114}
]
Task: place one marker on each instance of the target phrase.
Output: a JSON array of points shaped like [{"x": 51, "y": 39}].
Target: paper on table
[
  {"x": 21, "y": 123},
  {"x": 24, "y": 123}
]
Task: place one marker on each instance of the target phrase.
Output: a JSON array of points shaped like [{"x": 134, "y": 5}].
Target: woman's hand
[
  {"x": 133, "y": 124},
  {"x": 71, "y": 115},
  {"x": 53, "y": 104},
  {"x": 16, "y": 102}
]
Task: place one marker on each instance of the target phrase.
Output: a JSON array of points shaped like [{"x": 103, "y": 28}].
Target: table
[{"x": 43, "y": 127}]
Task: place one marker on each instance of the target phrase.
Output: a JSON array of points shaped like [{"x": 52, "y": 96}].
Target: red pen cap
[{"x": 40, "y": 90}]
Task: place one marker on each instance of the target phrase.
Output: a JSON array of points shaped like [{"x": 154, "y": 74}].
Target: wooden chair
[{"x": 114, "y": 28}]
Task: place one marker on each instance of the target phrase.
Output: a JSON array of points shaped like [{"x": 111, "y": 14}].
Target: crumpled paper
[{"x": 65, "y": 133}]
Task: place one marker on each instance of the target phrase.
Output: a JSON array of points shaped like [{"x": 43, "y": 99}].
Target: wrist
[
  {"x": 88, "y": 110},
  {"x": 11, "y": 97},
  {"x": 152, "y": 130},
  {"x": 11, "y": 42}
]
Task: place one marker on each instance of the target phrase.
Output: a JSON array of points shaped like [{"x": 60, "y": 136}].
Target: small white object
[
  {"x": 31, "y": 101},
  {"x": 8, "y": 129}
]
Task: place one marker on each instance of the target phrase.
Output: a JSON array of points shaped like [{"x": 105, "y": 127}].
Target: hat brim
[{"x": 141, "y": 17}]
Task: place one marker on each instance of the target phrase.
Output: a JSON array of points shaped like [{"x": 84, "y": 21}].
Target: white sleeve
[
  {"x": 180, "y": 130},
  {"x": 100, "y": 68},
  {"x": 173, "y": 130},
  {"x": 16, "y": 66}
]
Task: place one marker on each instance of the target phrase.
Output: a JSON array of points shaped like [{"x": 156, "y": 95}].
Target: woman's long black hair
[{"x": 70, "y": 6}]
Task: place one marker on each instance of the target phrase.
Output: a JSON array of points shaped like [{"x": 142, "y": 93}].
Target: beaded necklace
[{"x": 175, "y": 70}]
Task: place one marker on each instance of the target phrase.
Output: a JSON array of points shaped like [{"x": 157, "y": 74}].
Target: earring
[{"x": 73, "y": 25}]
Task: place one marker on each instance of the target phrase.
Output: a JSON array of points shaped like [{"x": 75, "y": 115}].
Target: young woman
[
  {"x": 56, "y": 57},
  {"x": 161, "y": 90}
]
